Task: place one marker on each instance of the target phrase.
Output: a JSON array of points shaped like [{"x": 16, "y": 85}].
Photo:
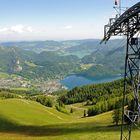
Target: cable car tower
[{"x": 128, "y": 24}]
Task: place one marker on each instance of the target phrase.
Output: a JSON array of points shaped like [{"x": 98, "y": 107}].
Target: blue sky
[{"x": 55, "y": 19}]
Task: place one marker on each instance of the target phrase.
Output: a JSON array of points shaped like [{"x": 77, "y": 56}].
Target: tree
[
  {"x": 116, "y": 116},
  {"x": 85, "y": 113},
  {"x": 48, "y": 102},
  {"x": 44, "y": 100},
  {"x": 71, "y": 110}
]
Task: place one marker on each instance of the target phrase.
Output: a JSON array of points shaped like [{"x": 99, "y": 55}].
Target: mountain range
[{"x": 56, "y": 59}]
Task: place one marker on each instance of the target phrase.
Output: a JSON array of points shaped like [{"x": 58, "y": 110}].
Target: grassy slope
[
  {"x": 27, "y": 112},
  {"x": 27, "y": 120}
]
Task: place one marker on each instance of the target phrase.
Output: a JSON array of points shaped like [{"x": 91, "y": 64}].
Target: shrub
[
  {"x": 44, "y": 100},
  {"x": 61, "y": 109},
  {"x": 116, "y": 116}
]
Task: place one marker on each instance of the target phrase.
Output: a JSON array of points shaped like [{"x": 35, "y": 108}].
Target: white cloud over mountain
[
  {"x": 16, "y": 29},
  {"x": 68, "y": 27}
]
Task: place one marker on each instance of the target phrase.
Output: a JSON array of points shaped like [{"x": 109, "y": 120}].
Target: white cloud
[
  {"x": 29, "y": 29},
  {"x": 68, "y": 27},
  {"x": 4, "y": 29},
  {"x": 16, "y": 29}
]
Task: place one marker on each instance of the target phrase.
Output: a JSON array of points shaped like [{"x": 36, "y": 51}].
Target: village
[{"x": 14, "y": 82}]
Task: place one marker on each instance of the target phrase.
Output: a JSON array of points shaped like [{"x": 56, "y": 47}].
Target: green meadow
[{"x": 27, "y": 120}]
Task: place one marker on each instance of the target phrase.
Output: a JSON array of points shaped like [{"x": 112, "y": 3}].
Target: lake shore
[{"x": 75, "y": 80}]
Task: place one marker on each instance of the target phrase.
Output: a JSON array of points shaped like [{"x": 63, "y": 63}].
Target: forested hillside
[
  {"x": 99, "y": 97},
  {"x": 54, "y": 59},
  {"x": 109, "y": 60},
  {"x": 32, "y": 65}
]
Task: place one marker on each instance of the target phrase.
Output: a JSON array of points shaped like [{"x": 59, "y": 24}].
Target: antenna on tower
[{"x": 118, "y": 7}]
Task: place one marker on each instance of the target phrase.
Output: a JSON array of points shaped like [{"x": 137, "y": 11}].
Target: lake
[{"x": 76, "y": 80}]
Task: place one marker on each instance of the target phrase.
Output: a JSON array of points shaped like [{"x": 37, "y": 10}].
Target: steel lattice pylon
[
  {"x": 128, "y": 24},
  {"x": 132, "y": 76}
]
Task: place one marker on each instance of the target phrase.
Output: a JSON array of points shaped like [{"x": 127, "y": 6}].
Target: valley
[
  {"x": 19, "y": 82},
  {"x": 69, "y": 70},
  {"x": 68, "y": 92},
  {"x": 85, "y": 58}
]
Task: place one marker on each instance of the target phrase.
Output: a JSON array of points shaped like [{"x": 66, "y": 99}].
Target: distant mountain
[
  {"x": 31, "y": 65},
  {"x": 109, "y": 60},
  {"x": 11, "y": 59},
  {"x": 63, "y": 47},
  {"x": 35, "y": 60},
  {"x": 90, "y": 45},
  {"x": 36, "y": 46}
]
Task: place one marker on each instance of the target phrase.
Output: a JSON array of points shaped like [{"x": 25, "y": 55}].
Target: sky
[{"x": 22, "y": 20}]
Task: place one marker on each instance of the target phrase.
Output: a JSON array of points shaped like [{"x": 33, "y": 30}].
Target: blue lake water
[{"x": 76, "y": 80}]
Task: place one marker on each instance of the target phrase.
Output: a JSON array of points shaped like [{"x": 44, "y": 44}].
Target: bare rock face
[{"x": 17, "y": 67}]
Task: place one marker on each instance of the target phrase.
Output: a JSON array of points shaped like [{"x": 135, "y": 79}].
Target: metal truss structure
[{"x": 128, "y": 24}]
